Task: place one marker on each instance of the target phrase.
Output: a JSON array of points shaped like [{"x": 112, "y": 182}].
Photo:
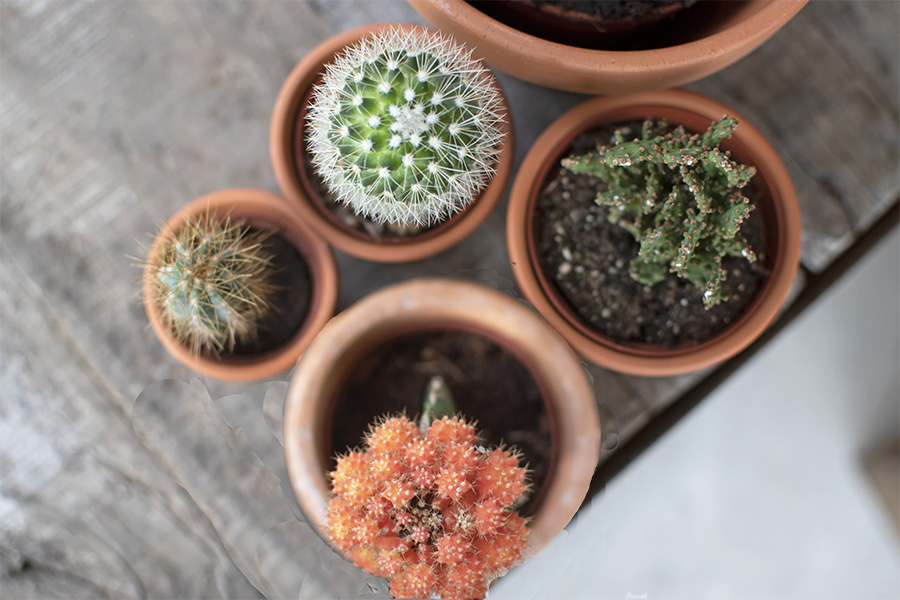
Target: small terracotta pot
[
  {"x": 264, "y": 211},
  {"x": 776, "y": 202},
  {"x": 736, "y": 29},
  {"x": 286, "y": 139},
  {"x": 442, "y": 304}
]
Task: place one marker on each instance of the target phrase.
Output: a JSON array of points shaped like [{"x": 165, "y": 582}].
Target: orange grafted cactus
[{"x": 431, "y": 512}]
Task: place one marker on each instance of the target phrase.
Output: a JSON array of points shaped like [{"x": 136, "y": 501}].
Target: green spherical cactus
[
  {"x": 680, "y": 196},
  {"x": 211, "y": 281},
  {"x": 405, "y": 127}
]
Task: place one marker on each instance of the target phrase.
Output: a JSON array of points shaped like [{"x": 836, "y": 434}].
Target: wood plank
[
  {"x": 86, "y": 510},
  {"x": 216, "y": 464}
]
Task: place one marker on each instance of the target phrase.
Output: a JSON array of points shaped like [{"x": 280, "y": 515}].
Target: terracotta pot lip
[
  {"x": 281, "y": 149},
  {"x": 420, "y": 305},
  {"x": 258, "y": 207},
  {"x": 761, "y": 24},
  {"x": 609, "y": 71},
  {"x": 682, "y": 360}
]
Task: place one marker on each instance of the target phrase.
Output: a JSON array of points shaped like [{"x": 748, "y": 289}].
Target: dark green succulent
[{"x": 681, "y": 198}]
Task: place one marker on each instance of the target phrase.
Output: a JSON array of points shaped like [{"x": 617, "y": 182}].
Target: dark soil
[
  {"x": 290, "y": 300},
  {"x": 341, "y": 212},
  {"x": 488, "y": 384},
  {"x": 646, "y": 30},
  {"x": 614, "y": 10},
  {"x": 588, "y": 259}
]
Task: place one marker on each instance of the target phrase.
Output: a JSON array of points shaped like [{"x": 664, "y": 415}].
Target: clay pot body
[
  {"x": 440, "y": 304},
  {"x": 776, "y": 202},
  {"x": 262, "y": 210},
  {"x": 286, "y": 140},
  {"x": 730, "y": 31}
]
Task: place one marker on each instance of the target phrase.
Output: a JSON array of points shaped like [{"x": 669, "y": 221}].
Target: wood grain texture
[
  {"x": 114, "y": 114},
  {"x": 85, "y": 509}
]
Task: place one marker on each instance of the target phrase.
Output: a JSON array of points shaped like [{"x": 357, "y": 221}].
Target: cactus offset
[
  {"x": 405, "y": 127},
  {"x": 430, "y": 511},
  {"x": 211, "y": 282},
  {"x": 680, "y": 196}
]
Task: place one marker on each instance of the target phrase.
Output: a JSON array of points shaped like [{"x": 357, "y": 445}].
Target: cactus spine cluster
[
  {"x": 405, "y": 127},
  {"x": 429, "y": 510},
  {"x": 680, "y": 196},
  {"x": 211, "y": 281}
]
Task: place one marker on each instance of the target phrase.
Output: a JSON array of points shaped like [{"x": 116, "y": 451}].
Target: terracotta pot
[
  {"x": 286, "y": 139},
  {"x": 776, "y": 202},
  {"x": 441, "y": 304},
  {"x": 731, "y": 31},
  {"x": 262, "y": 210}
]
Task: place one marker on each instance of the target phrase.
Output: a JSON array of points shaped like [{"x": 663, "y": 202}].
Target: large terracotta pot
[
  {"x": 737, "y": 28},
  {"x": 262, "y": 210},
  {"x": 286, "y": 141},
  {"x": 441, "y": 304},
  {"x": 776, "y": 202}
]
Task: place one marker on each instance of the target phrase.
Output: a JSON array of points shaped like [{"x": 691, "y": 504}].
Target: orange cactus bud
[
  {"x": 415, "y": 582},
  {"x": 421, "y": 453},
  {"x": 351, "y": 478},
  {"x": 489, "y": 515},
  {"x": 452, "y": 429},
  {"x": 451, "y": 549},
  {"x": 500, "y": 477},
  {"x": 392, "y": 436},
  {"x": 398, "y": 491}
]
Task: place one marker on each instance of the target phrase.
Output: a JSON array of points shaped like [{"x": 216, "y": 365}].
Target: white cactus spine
[{"x": 405, "y": 127}]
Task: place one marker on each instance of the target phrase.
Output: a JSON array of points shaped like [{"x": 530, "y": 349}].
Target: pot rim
[
  {"x": 681, "y": 360},
  {"x": 609, "y": 71},
  {"x": 271, "y": 212},
  {"x": 425, "y": 304},
  {"x": 281, "y": 149}
]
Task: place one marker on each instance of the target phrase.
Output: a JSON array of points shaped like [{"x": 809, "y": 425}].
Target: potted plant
[
  {"x": 392, "y": 140},
  {"x": 428, "y": 507},
  {"x": 587, "y": 247},
  {"x": 696, "y": 42},
  {"x": 507, "y": 369},
  {"x": 236, "y": 286}
]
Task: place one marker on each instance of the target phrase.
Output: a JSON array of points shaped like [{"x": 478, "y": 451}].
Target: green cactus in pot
[
  {"x": 405, "y": 127},
  {"x": 211, "y": 280},
  {"x": 681, "y": 198}
]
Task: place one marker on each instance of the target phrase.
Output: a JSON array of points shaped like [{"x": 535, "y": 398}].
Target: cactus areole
[
  {"x": 427, "y": 507},
  {"x": 405, "y": 127}
]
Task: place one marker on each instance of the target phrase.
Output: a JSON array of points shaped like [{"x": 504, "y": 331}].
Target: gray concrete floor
[{"x": 760, "y": 492}]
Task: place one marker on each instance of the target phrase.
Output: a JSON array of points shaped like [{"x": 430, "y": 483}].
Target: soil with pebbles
[{"x": 588, "y": 259}]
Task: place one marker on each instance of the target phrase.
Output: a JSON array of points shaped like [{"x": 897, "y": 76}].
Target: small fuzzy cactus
[
  {"x": 427, "y": 507},
  {"x": 680, "y": 196},
  {"x": 211, "y": 281},
  {"x": 405, "y": 127}
]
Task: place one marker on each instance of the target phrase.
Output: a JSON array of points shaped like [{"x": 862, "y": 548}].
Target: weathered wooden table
[{"x": 122, "y": 476}]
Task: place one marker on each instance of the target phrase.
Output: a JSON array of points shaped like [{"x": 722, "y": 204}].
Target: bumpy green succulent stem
[
  {"x": 405, "y": 127},
  {"x": 212, "y": 283},
  {"x": 680, "y": 196}
]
